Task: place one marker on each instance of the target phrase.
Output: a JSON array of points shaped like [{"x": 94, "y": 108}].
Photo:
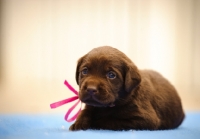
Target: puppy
[{"x": 118, "y": 96}]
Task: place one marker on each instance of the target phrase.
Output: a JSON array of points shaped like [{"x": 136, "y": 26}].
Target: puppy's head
[{"x": 105, "y": 75}]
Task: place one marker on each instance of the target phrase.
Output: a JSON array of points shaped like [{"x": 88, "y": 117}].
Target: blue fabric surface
[{"x": 55, "y": 127}]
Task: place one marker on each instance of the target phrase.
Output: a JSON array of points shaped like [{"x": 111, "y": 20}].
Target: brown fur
[{"x": 134, "y": 99}]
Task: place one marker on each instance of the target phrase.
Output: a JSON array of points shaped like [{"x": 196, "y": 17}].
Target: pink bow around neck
[{"x": 62, "y": 102}]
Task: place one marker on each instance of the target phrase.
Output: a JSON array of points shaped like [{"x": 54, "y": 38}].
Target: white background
[{"x": 41, "y": 41}]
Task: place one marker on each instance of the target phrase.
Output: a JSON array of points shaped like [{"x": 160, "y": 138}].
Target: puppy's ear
[
  {"x": 80, "y": 61},
  {"x": 132, "y": 78}
]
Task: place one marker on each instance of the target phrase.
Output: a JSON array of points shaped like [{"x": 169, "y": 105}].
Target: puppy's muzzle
[
  {"x": 92, "y": 95},
  {"x": 92, "y": 90}
]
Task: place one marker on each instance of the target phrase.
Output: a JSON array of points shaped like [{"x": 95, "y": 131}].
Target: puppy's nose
[{"x": 91, "y": 90}]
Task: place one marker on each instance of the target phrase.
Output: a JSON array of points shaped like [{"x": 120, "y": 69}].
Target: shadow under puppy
[{"x": 118, "y": 96}]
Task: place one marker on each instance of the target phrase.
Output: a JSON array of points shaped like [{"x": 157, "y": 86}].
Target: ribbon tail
[
  {"x": 70, "y": 87},
  {"x": 62, "y": 102},
  {"x": 70, "y": 110}
]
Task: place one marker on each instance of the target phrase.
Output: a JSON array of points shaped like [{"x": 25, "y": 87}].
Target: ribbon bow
[{"x": 62, "y": 102}]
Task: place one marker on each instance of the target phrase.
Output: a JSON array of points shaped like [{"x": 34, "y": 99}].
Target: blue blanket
[{"x": 55, "y": 127}]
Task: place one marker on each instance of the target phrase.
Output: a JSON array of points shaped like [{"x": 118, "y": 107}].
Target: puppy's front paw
[{"x": 79, "y": 126}]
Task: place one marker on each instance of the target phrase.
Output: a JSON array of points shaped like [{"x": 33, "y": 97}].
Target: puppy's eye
[
  {"x": 111, "y": 75},
  {"x": 84, "y": 71}
]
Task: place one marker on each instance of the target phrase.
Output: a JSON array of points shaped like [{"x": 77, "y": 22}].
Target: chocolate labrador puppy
[{"x": 119, "y": 96}]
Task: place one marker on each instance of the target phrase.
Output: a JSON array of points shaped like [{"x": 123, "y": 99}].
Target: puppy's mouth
[{"x": 92, "y": 101}]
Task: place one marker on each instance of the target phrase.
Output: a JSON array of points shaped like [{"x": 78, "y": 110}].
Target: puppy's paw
[{"x": 79, "y": 126}]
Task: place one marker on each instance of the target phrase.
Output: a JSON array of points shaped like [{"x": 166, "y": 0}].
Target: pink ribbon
[{"x": 62, "y": 102}]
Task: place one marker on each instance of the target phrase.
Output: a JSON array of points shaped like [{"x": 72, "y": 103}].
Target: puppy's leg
[
  {"x": 140, "y": 119},
  {"x": 135, "y": 123},
  {"x": 82, "y": 122}
]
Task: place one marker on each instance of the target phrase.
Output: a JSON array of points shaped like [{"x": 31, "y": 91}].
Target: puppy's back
[{"x": 164, "y": 99}]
